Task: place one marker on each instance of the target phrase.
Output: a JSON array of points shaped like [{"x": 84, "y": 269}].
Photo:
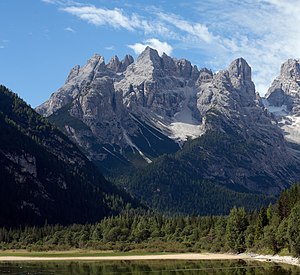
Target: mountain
[
  {"x": 241, "y": 156},
  {"x": 283, "y": 99},
  {"x": 44, "y": 177},
  {"x": 130, "y": 117},
  {"x": 197, "y": 138}
]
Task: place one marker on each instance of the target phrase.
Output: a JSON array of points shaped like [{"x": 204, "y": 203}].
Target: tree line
[{"x": 272, "y": 229}]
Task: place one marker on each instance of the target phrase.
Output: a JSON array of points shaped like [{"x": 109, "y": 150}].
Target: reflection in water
[{"x": 147, "y": 267}]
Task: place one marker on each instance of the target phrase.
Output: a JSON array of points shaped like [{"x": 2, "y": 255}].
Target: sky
[{"x": 41, "y": 40}]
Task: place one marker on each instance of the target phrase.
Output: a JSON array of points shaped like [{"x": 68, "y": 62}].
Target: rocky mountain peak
[
  {"x": 149, "y": 54},
  {"x": 205, "y": 75},
  {"x": 229, "y": 91},
  {"x": 240, "y": 69},
  {"x": 283, "y": 99},
  {"x": 73, "y": 73},
  {"x": 291, "y": 69},
  {"x": 128, "y": 59},
  {"x": 169, "y": 64},
  {"x": 96, "y": 59},
  {"x": 120, "y": 117},
  {"x": 95, "y": 64},
  {"x": 239, "y": 73},
  {"x": 114, "y": 64},
  {"x": 285, "y": 89},
  {"x": 184, "y": 68}
]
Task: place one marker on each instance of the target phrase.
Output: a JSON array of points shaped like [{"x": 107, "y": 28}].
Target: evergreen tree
[
  {"x": 235, "y": 230},
  {"x": 293, "y": 231},
  {"x": 262, "y": 221}
]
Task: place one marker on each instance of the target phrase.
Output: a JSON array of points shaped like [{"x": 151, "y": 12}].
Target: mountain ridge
[{"x": 212, "y": 125}]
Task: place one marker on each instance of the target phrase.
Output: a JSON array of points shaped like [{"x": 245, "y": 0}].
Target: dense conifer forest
[
  {"x": 272, "y": 229},
  {"x": 44, "y": 176}
]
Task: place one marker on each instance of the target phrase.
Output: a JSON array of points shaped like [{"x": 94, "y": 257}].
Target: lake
[{"x": 147, "y": 267}]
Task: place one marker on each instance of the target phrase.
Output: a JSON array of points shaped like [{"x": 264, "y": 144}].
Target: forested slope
[{"x": 43, "y": 176}]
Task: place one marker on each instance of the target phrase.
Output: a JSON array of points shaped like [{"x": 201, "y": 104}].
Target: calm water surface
[{"x": 147, "y": 267}]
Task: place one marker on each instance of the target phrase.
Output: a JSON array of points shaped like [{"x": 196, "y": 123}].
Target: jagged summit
[
  {"x": 285, "y": 89},
  {"x": 149, "y": 53},
  {"x": 283, "y": 99},
  {"x": 240, "y": 69},
  {"x": 291, "y": 69},
  {"x": 80, "y": 77},
  {"x": 114, "y": 63},
  {"x": 241, "y": 78},
  {"x": 118, "y": 66}
]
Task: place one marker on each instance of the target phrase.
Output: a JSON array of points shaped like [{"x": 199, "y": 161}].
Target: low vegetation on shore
[{"x": 273, "y": 229}]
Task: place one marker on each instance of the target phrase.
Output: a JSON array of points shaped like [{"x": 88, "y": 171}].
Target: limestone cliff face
[
  {"x": 81, "y": 77},
  {"x": 157, "y": 83},
  {"x": 285, "y": 89},
  {"x": 227, "y": 103},
  {"x": 283, "y": 99}
]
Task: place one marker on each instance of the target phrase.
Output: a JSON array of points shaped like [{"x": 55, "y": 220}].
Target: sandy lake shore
[{"x": 181, "y": 256}]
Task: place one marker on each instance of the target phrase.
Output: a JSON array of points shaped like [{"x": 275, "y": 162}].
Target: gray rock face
[
  {"x": 26, "y": 162},
  {"x": 285, "y": 89},
  {"x": 230, "y": 90},
  {"x": 227, "y": 104},
  {"x": 111, "y": 99},
  {"x": 118, "y": 66},
  {"x": 283, "y": 99},
  {"x": 128, "y": 59},
  {"x": 81, "y": 77},
  {"x": 101, "y": 110},
  {"x": 114, "y": 64},
  {"x": 157, "y": 83}
]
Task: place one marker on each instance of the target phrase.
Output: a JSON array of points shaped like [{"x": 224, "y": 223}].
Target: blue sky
[{"x": 41, "y": 40}]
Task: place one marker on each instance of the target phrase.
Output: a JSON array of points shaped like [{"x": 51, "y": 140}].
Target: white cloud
[
  {"x": 116, "y": 18},
  {"x": 161, "y": 47},
  {"x": 62, "y": 2},
  {"x": 97, "y": 16},
  {"x": 69, "y": 29},
  {"x": 196, "y": 29},
  {"x": 48, "y": 1},
  {"x": 51, "y": 1},
  {"x": 264, "y": 32},
  {"x": 110, "y": 48}
]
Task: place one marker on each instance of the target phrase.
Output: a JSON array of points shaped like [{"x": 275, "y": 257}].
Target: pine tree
[
  {"x": 293, "y": 231},
  {"x": 262, "y": 221},
  {"x": 235, "y": 230}
]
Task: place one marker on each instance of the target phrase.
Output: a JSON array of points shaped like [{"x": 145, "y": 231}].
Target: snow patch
[
  {"x": 291, "y": 128},
  {"x": 290, "y": 124},
  {"x": 278, "y": 111},
  {"x": 182, "y": 131},
  {"x": 185, "y": 125}
]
